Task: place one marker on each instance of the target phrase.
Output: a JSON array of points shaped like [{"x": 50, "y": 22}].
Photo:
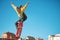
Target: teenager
[{"x": 22, "y": 17}]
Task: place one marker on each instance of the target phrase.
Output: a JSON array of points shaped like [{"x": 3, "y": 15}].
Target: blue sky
[{"x": 43, "y": 18}]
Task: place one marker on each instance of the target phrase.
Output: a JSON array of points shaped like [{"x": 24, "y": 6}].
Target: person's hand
[
  {"x": 27, "y": 2},
  {"x": 12, "y": 3}
]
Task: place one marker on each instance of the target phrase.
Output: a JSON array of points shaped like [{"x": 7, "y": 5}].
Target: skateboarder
[{"x": 22, "y": 17}]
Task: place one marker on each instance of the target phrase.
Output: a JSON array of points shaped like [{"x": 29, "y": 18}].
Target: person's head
[{"x": 20, "y": 6}]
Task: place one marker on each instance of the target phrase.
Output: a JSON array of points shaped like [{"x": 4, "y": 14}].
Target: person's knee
[{"x": 25, "y": 18}]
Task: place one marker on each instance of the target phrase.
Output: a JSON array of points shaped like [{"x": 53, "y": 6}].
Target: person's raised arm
[
  {"x": 24, "y": 7},
  {"x": 14, "y": 7}
]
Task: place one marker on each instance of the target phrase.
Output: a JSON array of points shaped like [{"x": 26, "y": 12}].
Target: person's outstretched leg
[{"x": 19, "y": 29}]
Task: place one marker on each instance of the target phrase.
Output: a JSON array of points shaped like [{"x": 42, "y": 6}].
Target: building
[
  {"x": 54, "y": 37},
  {"x": 9, "y": 35},
  {"x": 39, "y": 39},
  {"x": 29, "y": 38}
]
